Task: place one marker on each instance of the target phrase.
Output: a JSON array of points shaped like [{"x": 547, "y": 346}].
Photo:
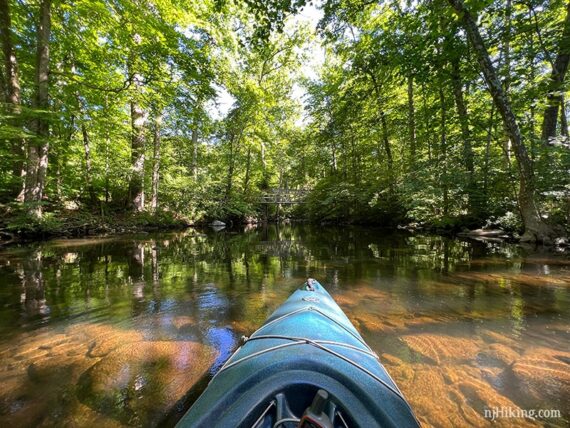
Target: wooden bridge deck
[{"x": 284, "y": 196}]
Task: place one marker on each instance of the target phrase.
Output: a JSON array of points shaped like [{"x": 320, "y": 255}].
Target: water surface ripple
[{"x": 127, "y": 330}]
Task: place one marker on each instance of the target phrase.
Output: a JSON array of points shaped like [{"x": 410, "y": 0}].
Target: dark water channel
[{"x": 126, "y": 330}]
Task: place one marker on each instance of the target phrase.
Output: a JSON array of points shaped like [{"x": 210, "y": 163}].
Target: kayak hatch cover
[{"x": 307, "y": 359}]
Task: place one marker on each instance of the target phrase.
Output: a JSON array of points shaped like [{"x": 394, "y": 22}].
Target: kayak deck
[{"x": 308, "y": 344}]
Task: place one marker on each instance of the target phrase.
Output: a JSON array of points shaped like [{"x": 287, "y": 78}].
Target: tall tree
[
  {"x": 465, "y": 135},
  {"x": 195, "y": 151},
  {"x": 535, "y": 227},
  {"x": 443, "y": 151},
  {"x": 155, "y": 180},
  {"x": 411, "y": 120},
  {"x": 38, "y": 147},
  {"x": 11, "y": 84},
  {"x": 88, "y": 165},
  {"x": 555, "y": 96},
  {"x": 136, "y": 183},
  {"x": 138, "y": 121}
]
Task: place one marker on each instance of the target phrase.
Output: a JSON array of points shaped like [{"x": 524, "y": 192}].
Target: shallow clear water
[{"x": 127, "y": 330}]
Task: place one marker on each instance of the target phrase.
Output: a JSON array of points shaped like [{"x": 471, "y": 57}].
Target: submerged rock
[
  {"x": 139, "y": 383},
  {"x": 103, "y": 339},
  {"x": 544, "y": 373},
  {"x": 439, "y": 348},
  {"x": 183, "y": 322},
  {"x": 498, "y": 355},
  {"x": 372, "y": 323},
  {"x": 453, "y": 395},
  {"x": 357, "y": 295}
]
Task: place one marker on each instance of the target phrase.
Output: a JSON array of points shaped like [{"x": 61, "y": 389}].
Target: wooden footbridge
[{"x": 284, "y": 196}]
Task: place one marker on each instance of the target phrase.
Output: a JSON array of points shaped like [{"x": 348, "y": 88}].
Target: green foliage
[
  {"x": 334, "y": 200},
  {"x": 509, "y": 222},
  {"x": 22, "y": 223},
  {"x": 381, "y": 139},
  {"x": 362, "y": 121}
]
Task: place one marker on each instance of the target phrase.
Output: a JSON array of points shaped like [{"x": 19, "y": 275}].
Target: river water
[{"x": 127, "y": 330}]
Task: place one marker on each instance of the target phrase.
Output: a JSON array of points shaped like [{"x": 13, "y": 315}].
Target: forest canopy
[{"x": 442, "y": 113}]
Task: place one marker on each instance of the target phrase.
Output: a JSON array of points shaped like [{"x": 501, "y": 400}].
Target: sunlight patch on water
[{"x": 121, "y": 331}]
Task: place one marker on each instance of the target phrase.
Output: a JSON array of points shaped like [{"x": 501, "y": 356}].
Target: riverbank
[
  {"x": 75, "y": 224},
  {"x": 16, "y": 228}
]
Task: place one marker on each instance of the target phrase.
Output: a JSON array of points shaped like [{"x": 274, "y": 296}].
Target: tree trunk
[
  {"x": 247, "y": 172},
  {"x": 11, "y": 91},
  {"x": 39, "y": 146},
  {"x": 465, "y": 135},
  {"x": 107, "y": 168},
  {"x": 138, "y": 122},
  {"x": 195, "y": 152},
  {"x": 231, "y": 165},
  {"x": 488, "y": 157},
  {"x": 563, "y": 119},
  {"x": 535, "y": 227},
  {"x": 505, "y": 69},
  {"x": 58, "y": 177},
  {"x": 136, "y": 185},
  {"x": 531, "y": 57},
  {"x": 506, "y": 46},
  {"x": 3, "y": 85},
  {"x": 86, "y": 148},
  {"x": 263, "y": 160},
  {"x": 426, "y": 122},
  {"x": 88, "y": 169},
  {"x": 385, "y": 138},
  {"x": 386, "y": 141},
  {"x": 411, "y": 120},
  {"x": 554, "y": 96},
  {"x": 443, "y": 151},
  {"x": 156, "y": 163},
  {"x": 334, "y": 166}
]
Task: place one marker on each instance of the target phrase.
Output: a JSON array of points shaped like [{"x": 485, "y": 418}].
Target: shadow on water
[
  {"x": 182, "y": 406},
  {"x": 129, "y": 330}
]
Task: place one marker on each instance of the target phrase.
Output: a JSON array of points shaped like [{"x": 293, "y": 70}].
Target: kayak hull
[{"x": 306, "y": 345}]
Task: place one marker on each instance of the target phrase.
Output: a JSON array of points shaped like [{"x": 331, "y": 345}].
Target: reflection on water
[{"x": 127, "y": 330}]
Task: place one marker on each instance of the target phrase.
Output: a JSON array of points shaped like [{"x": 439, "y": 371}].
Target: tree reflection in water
[{"x": 116, "y": 331}]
